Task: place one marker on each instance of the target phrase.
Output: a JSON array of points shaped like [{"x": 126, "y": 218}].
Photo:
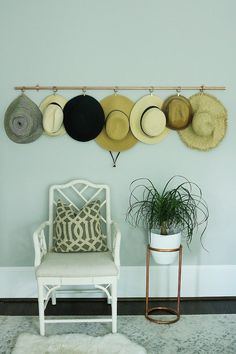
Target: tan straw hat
[
  {"x": 52, "y": 110},
  {"x": 209, "y": 123},
  {"x": 116, "y": 134},
  {"x": 147, "y": 121},
  {"x": 178, "y": 112}
]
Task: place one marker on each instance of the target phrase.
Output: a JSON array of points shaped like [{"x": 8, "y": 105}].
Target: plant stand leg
[{"x": 176, "y": 311}]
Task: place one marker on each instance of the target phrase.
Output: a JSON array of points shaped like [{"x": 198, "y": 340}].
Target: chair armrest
[
  {"x": 40, "y": 246},
  {"x": 116, "y": 238}
]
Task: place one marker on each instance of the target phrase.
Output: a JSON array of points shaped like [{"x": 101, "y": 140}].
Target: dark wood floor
[{"x": 21, "y": 307}]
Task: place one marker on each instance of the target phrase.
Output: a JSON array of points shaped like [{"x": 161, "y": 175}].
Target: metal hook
[
  {"x": 178, "y": 90},
  {"x": 151, "y": 89},
  {"x": 115, "y": 90},
  {"x": 84, "y": 91},
  {"x": 202, "y": 90},
  {"x": 54, "y": 89},
  {"x": 37, "y": 87},
  {"x": 22, "y": 90}
]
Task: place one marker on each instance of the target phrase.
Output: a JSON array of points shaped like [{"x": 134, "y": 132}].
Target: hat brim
[
  {"x": 135, "y": 117},
  {"x": 111, "y": 103},
  {"x": 207, "y": 103},
  {"x": 177, "y": 125},
  {"x": 61, "y": 101}
]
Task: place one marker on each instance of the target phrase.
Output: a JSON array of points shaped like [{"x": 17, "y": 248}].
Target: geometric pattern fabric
[{"x": 78, "y": 231}]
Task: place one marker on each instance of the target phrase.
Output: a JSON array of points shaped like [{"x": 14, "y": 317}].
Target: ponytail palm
[{"x": 178, "y": 207}]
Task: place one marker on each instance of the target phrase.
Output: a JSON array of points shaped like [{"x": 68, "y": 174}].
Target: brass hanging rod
[{"x": 119, "y": 88}]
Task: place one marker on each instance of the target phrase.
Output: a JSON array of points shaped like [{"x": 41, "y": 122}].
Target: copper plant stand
[{"x": 162, "y": 308}]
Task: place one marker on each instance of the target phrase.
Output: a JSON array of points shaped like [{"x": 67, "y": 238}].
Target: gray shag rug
[
  {"x": 192, "y": 334},
  {"x": 76, "y": 344}
]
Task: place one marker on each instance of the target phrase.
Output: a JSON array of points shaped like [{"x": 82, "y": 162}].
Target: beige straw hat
[
  {"x": 147, "y": 121},
  {"x": 209, "y": 123},
  {"x": 116, "y": 134},
  {"x": 52, "y": 110}
]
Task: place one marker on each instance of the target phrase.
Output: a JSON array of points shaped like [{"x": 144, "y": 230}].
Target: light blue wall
[{"x": 107, "y": 42}]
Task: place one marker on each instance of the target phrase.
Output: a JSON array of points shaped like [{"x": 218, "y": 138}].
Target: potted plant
[{"x": 176, "y": 211}]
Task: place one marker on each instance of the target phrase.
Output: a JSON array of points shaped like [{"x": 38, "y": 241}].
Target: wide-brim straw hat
[
  {"x": 52, "y": 110},
  {"x": 178, "y": 112},
  {"x": 116, "y": 134},
  {"x": 83, "y": 118},
  {"x": 147, "y": 121},
  {"x": 208, "y": 125},
  {"x": 23, "y": 120}
]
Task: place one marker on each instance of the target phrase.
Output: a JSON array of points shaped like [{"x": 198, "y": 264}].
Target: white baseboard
[{"x": 197, "y": 281}]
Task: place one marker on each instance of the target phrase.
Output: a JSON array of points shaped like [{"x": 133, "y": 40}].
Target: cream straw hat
[
  {"x": 147, "y": 121},
  {"x": 52, "y": 110}
]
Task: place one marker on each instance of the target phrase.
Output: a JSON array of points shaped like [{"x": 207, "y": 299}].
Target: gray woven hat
[{"x": 23, "y": 120}]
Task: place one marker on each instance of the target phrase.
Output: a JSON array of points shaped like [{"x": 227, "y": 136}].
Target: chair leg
[
  {"x": 54, "y": 299},
  {"x": 109, "y": 298},
  {"x": 114, "y": 306},
  {"x": 41, "y": 309}
]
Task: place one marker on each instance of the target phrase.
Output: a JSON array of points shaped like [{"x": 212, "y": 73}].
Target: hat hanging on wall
[
  {"x": 116, "y": 134},
  {"x": 52, "y": 110},
  {"x": 178, "y": 112},
  {"x": 23, "y": 120},
  {"x": 83, "y": 118},
  {"x": 147, "y": 121},
  {"x": 209, "y": 123}
]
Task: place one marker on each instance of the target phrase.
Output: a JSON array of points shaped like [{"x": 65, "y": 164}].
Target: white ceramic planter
[{"x": 164, "y": 242}]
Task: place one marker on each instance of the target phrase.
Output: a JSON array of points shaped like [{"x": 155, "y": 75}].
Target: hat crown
[
  {"x": 52, "y": 118},
  {"x": 203, "y": 124},
  {"x": 178, "y": 110},
  {"x": 21, "y": 125},
  {"x": 153, "y": 121},
  {"x": 117, "y": 125}
]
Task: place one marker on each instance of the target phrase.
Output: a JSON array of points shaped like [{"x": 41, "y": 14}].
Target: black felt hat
[{"x": 83, "y": 118}]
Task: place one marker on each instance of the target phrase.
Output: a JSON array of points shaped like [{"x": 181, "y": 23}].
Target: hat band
[
  {"x": 56, "y": 104},
  {"x": 116, "y": 110}
]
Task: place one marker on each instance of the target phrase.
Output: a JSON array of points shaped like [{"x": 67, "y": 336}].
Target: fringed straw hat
[{"x": 209, "y": 123}]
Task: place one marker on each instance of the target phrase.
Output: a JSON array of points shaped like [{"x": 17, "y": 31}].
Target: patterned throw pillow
[{"x": 78, "y": 231}]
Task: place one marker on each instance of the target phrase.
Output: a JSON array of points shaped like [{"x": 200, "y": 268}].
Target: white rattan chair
[{"x": 99, "y": 270}]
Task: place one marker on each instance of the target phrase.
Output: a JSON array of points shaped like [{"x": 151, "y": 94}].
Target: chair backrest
[{"x": 79, "y": 193}]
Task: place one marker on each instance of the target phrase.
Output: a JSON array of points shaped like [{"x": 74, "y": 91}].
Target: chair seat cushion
[{"x": 89, "y": 264}]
